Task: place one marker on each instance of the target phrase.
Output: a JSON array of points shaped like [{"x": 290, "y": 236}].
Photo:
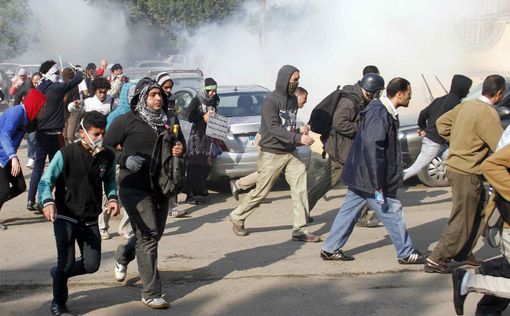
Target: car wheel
[{"x": 434, "y": 175}]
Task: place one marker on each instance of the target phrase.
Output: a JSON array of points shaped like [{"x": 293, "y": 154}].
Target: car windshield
[
  {"x": 241, "y": 104},
  {"x": 194, "y": 83}
]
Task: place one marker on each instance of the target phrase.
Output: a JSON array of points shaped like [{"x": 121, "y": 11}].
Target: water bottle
[{"x": 379, "y": 197}]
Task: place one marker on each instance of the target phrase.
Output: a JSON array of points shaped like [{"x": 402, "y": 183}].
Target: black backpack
[
  {"x": 167, "y": 172},
  {"x": 321, "y": 118}
]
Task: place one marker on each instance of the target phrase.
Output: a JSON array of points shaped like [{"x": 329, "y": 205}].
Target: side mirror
[{"x": 503, "y": 112}]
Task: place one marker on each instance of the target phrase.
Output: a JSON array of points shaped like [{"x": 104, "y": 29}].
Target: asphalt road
[{"x": 207, "y": 270}]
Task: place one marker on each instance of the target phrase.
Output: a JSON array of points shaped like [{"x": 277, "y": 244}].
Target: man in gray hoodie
[{"x": 279, "y": 138}]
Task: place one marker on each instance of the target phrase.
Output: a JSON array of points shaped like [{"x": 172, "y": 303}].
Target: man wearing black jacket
[
  {"x": 279, "y": 138},
  {"x": 48, "y": 137},
  {"x": 136, "y": 133},
  {"x": 432, "y": 142}
]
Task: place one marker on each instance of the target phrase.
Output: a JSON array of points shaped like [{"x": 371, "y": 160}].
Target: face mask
[
  {"x": 96, "y": 147},
  {"x": 292, "y": 87}
]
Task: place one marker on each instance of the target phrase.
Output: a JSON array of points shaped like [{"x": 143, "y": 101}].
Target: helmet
[{"x": 372, "y": 82}]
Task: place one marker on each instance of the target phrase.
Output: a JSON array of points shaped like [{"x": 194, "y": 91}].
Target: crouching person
[{"x": 78, "y": 172}]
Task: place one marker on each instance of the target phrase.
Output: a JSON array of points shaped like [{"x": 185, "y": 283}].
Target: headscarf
[
  {"x": 155, "y": 119},
  {"x": 203, "y": 95},
  {"x": 33, "y": 103}
]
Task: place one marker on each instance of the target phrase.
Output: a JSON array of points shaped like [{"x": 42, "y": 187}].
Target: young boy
[{"x": 78, "y": 171}]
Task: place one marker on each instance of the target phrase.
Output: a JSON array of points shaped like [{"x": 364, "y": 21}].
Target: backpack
[
  {"x": 167, "y": 172},
  {"x": 321, "y": 118}
]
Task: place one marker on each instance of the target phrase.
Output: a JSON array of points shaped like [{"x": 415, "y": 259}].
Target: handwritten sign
[{"x": 217, "y": 127}]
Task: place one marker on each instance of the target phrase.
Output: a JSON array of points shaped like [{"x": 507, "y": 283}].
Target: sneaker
[
  {"x": 32, "y": 207},
  {"x": 156, "y": 303},
  {"x": 337, "y": 255},
  {"x": 191, "y": 200},
  {"x": 59, "y": 310},
  {"x": 234, "y": 189},
  {"x": 30, "y": 163},
  {"x": 416, "y": 257},
  {"x": 436, "y": 267},
  {"x": 306, "y": 238},
  {"x": 2, "y": 227},
  {"x": 177, "y": 213},
  {"x": 120, "y": 272},
  {"x": 104, "y": 234},
  {"x": 238, "y": 229}
]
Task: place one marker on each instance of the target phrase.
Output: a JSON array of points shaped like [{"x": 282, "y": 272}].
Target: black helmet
[{"x": 372, "y": 82}]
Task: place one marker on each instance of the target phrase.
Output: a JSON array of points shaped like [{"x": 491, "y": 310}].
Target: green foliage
[
  {"x": 185, "y": 13},
  {"x": 14, "y": 37}
]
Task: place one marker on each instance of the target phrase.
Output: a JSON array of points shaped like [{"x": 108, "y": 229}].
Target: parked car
[
  {"x": 434, "y": 174},
  {"x": 5, "y": 85},
  {"x": 30, "y": 68},
  {"x": 9, "y": 69},
  {"x": 153, "y": 64},
  {"x": 242, "y": 105},
  {"x": 183, "y": 78}
]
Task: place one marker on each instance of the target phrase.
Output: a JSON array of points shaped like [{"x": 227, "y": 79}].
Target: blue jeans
[
  {"x": 67, "y": 235},
  {"x": 390, "y": 213},
  {"x": 31, "y": 145},
  {"x": 45, "y": 146}
]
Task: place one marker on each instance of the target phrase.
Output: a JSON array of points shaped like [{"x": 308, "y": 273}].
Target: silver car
[{"x": 242, "y": 105}]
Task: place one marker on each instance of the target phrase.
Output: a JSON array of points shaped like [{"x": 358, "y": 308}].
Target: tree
[{"x": 14, "y": 37}]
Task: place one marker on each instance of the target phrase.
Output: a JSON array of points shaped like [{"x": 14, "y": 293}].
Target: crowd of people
[{"x": 100, "y": 133}]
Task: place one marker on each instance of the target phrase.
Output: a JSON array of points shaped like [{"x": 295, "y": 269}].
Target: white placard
[{"x": 217, "y": 126}]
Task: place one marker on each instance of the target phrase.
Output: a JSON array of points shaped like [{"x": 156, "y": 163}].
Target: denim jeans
[
  {"x": 89, "y": 242},
  {"x": 390, "y": 213},
  {"x": 429, "y": 150},
  {"x": 45, "y": 146},
  {"x": 31, "y": 145}
]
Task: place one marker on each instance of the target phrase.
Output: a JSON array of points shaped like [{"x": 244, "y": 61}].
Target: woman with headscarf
[
  {"x": 14, "y": 123},
  {"x": 199, "y": 150}
]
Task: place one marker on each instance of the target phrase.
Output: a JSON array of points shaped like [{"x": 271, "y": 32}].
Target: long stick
[
  {"x": 428, "y": 88},
  {"x": 441, "y": 84},
  {"x": 60, "y": 59}
]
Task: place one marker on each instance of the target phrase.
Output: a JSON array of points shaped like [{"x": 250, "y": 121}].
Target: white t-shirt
[{"x": 93, "y": 104}]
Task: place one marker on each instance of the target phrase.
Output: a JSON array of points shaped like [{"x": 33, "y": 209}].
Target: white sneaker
[
  {"x": 104, "y": 234},
  {"x": 174, "y": 212},
  {"x": 156, "y": 303},
  {"x": 120, "y": 271},
  {"x": 30, "y": 163}
]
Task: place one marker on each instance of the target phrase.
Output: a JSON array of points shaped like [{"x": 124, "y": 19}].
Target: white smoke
[{"x": 331, "y": 41}]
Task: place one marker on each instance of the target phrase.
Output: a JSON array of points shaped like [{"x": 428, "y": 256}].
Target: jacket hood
[
  {"x": 354, "y": 92},
  {"x": 282, "y": 81},
  {"x": 460, "y": 86}
]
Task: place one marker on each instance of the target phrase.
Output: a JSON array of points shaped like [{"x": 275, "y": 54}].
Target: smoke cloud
[{"x": 329, "y": 41}]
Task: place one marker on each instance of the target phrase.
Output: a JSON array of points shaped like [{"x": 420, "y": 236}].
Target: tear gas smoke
[{"x": 329, "y": 41}]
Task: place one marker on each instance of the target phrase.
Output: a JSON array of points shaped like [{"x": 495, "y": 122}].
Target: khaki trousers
[
  {"x": 464, "y": 226},
  {"x": 323, "y": 181},
  {"x": 270, "y": 166}
]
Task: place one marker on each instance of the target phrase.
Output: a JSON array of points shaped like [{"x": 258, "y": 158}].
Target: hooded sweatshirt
[
  {"x": 279, "y": 112},
  {"x": 428, "y": 116}
]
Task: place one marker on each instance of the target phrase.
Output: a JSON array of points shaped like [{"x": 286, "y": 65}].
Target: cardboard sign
[{"x": 217, "y": 127}]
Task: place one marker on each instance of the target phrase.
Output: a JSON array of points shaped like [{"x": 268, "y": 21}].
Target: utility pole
[{"x": 262, "y": 6}]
